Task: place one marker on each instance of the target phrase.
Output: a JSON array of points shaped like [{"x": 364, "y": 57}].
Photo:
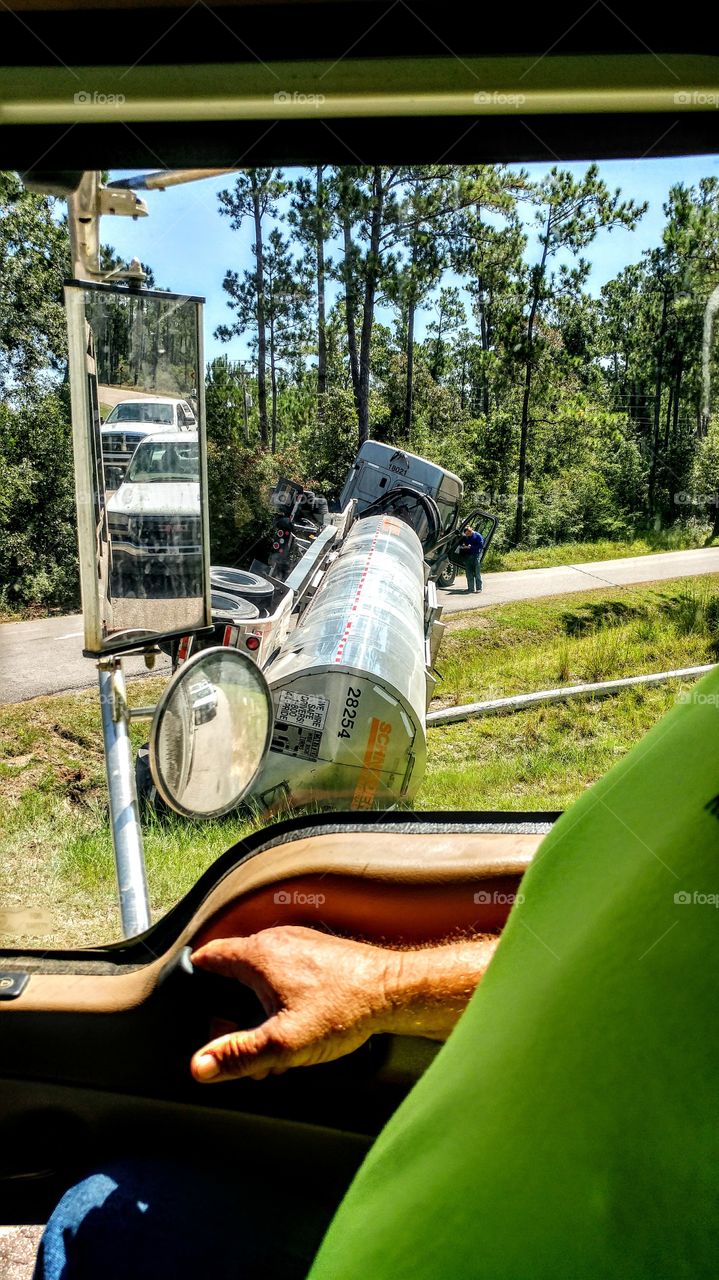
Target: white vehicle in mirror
[
  {"x": 154, "y": 519},
  {"x": 132, "y": 421}
]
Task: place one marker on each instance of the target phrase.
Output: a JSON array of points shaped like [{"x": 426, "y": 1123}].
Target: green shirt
[{"x": 569, "y": 1127}]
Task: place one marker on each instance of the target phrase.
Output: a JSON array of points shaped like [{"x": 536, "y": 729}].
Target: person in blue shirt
[{"x": 472, "y": 548}]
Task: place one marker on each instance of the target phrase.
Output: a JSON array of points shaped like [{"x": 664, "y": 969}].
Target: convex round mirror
[{"x": 211, "y": 730}]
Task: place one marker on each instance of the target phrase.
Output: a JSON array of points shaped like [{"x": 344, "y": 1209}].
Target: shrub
[{"x": 38, "y": 539}]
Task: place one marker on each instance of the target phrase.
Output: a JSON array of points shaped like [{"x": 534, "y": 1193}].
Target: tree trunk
[
  {"x": 434, "y": 369},
  {"x": 244, "y": 410},
  {"x": 675, "y": 415},
  {"x": 463, "y": 385},
  {"x": 273, "y": 384},
  {"x": 261, "y": 331},
  {"x": 321, "y": 312},
  {"x": 409, "y": 394},
  {"x": 668, "y": 416},
  {"x": 155, "y": 356},
  {"x": 658, "y": 380},
  {"x": 350, "y": 305},
  {"x": 437, "y": 347},
  {"x": 528, "y": 369},
  {"x": 484, "y": 339},
  {"x": 523, "y": 437},
  {"x": 371, "y": 278}
]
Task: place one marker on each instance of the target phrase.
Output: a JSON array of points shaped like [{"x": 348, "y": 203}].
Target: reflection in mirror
[
  {"x": 138, "y": 410},
  {"x": 211, "y": 730}
]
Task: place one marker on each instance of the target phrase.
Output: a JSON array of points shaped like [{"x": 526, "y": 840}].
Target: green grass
[
  {"x": 56, "y": 863},
  {"x": 546, "y": 757},
  {"x": 595, "y": 635},
  {"x": 55, "y": 841},
  {"x": 540, "y": 759},
  {"x": 676, "y": 538}
]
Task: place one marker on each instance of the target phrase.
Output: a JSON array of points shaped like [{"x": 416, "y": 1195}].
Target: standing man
[{"x": 472, "y": 548}]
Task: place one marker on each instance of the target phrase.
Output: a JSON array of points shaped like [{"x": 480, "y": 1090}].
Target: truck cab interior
[{"x": 95, "y": 1043}]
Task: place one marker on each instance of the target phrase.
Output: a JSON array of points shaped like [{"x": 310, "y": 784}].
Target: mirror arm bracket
[
  {"x": 120, "y": 709},
  {"x": 85, "y": 206}
]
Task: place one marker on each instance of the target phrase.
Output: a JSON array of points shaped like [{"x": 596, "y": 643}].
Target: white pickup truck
[
  {"x": 154, "y": 519},
  {"x": 132, "y": 421}
]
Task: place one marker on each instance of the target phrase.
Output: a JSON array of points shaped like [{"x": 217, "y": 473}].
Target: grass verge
[
  {"x": 588, "y": 636},
  {"x": 539, "y": 759},
  {"x": 677, "y": 538},
  {"x": 57, "y": 876}
]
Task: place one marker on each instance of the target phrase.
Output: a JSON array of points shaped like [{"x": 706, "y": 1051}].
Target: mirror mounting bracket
[
  {"x": 112, "y": 665},
  {"x": 85, "y": 206}
]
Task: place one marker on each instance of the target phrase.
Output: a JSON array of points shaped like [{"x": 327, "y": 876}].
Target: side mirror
[
  {"x": 141, "y": 486},
  {"x": 210, "y": 733}
]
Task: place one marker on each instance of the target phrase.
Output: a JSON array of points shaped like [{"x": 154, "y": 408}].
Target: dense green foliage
[
  {"x": 38, "y": 550},
  {"x": 443, "y": 309},
  {"x": 576, "y": 417}
]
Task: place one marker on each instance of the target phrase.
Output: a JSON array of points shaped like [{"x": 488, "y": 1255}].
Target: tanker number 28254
[{"x": 349, "y": 714}]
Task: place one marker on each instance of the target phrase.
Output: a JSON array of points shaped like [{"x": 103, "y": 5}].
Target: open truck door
[{"x": 446, "y": 558}]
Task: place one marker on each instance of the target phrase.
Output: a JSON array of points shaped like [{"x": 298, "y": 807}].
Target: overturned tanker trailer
[{"x": 350, "y": 686}]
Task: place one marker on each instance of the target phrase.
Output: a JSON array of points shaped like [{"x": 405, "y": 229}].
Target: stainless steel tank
[{"x": 349, "y": 685}]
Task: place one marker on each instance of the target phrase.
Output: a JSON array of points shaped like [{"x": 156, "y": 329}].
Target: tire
[
  {"x": 147, "y": 794},
  {"x": 231, "y": 608},
  {"x": 240, "y": 582},
  {"x": 447, "y": 577}
]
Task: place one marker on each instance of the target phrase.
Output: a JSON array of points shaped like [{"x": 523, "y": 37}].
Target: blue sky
[{"x": 190, "y": 246}]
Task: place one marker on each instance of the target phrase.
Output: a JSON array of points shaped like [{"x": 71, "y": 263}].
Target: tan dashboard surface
[{"x": 385, "y": 886}]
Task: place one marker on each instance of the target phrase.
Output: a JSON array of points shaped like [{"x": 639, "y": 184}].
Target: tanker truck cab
[{"x": 380, "y": 468}]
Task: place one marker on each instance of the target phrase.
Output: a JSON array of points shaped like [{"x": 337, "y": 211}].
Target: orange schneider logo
[{"x": 369, "y": 779}]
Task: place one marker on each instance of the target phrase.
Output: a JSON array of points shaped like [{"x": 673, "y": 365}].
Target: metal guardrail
[{"x": 522, "y": 701}]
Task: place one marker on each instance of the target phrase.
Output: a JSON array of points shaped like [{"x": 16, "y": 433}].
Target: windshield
[
  {"x": 546, "y": 332},
  {"x": 154, "y": 463},
  {"x": 139, "y": 411},
  {"x": 448, "y": 512}
]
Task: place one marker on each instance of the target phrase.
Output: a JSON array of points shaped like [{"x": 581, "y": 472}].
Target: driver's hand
[{"x": 323, "y": 995}]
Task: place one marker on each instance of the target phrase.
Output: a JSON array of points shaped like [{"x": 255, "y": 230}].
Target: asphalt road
[
  {"x": 113, "y": 395},
  {"x": 530, "y": 584},
  {"x": 45, "y": 656}
]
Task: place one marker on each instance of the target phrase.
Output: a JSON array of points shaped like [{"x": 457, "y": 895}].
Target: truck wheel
[
  {"x": 147, "y": 795},
  {"x": 447, "y": 577},
  {"x": 232, "y": 608}
]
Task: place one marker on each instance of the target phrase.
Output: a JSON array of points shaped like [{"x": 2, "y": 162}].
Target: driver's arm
[{"x": 324, "y": 996}]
